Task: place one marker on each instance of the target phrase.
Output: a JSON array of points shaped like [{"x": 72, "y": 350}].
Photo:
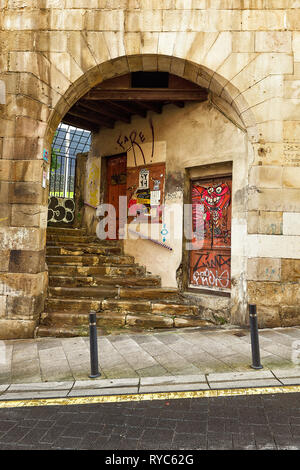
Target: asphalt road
[{"x": 224, "y": 423}]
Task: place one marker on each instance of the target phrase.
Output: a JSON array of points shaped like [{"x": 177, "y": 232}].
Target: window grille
[{"x": 67, "y": 143}]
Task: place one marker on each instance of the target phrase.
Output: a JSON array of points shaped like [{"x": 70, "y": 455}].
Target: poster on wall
[
  {"x": 144, "y": 178},
  {"x": 145, "y": 191}
]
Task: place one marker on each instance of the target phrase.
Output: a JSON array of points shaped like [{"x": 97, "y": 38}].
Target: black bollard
[
  {"x": 94, "y": 346},
  {"x": 254, "y": 338}
]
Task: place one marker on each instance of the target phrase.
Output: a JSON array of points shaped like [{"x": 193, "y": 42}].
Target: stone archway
[{"x": 227, "y": 99}]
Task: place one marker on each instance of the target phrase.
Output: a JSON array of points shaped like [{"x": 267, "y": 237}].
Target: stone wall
[{"x": 245, "y": 52}]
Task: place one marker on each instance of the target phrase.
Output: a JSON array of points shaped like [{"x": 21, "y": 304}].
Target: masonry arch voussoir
[{"x": 221, "y": 90}]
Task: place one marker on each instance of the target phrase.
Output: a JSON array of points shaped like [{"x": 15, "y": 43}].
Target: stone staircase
[{"x": 88, "y": 274}]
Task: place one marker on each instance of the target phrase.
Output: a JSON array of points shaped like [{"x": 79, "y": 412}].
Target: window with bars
[{"x": 67, "y": 143}]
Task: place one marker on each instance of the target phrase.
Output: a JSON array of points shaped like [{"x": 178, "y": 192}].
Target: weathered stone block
[
  {"x": 275, "y": 200},
  {"x": 110, "y": 319},
  {"x": 25, "y": 307},
  {"x": 22, "y": 148},
  {"x": 243, "y": 41},
  {"x": 290, "y": 270},
  {"x": 266, "y": 176},
  {"x": 26, "y": 261},
  {"x": 190, "y": 322},
  {"x": 264, "y": 269},
  {"x": 293, "y": 19},
  {"x": 5, "y": 213},
  {"x": 27, "y": 215},
  {"x": 25, "y": 170},
  {"x": 269, "y": 223},
  {"x": 4, "y": 260},
  {"x": 273, "y": 41},
  {"x": 268, "y": 317},
  {"x": 17, "y": 329},
  {"x": 27, "y": 193},
  {"x": 265, "y": 293},
  {"x": 12, "y": 238},
  {"x": 149, "y": 321},
  {"x": 3, "y": 299},
  {"x": 291, "y": 223},
  {"x": 290, "y": 315},
  {"x": 258, "y": 20},
  {"x": 27, "y": 284},
  {"x": 174, "y": 310},
  {"x": 126, "y": 306},
  {"x": 291, "y": 177}
]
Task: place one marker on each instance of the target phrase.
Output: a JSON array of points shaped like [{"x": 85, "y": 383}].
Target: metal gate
[{"x": 67, "y": 143}]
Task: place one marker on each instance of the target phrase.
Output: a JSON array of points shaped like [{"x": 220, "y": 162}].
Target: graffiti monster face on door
[
  {"x": 210, "y": 264},
  {"x": 215, "y": 200}
]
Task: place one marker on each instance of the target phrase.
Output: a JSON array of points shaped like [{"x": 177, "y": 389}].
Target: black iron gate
[{"x": 67, "y": 143}]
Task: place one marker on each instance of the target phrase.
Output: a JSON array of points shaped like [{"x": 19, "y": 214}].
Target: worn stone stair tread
[
  {"x": 75, "y": 281},
  {"x": 64, "y": 304},
  {"x": 129, "y": 269},
  {"x": 90, "y": 292},
  {"x": 87, "y": 274},
  {"x": 79, "y": 251},
  {"x": 61, "y": 332},
  {"x": 87, "y": 260}
]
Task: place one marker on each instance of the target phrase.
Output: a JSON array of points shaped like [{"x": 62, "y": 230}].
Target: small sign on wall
[
  {"x": 144, "y": 179},
  {"x": 44, "y": 181}
]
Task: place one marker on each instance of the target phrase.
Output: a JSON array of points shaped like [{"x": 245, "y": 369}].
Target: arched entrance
[{"x": 226, "y": 101}]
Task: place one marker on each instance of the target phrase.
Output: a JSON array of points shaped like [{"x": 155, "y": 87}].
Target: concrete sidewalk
[{"x": 157, "y": 361}]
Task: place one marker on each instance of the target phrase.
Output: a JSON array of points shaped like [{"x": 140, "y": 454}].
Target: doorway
[
  {"x": 210, "y": 262},
  {"x": 116, "y": 173}
]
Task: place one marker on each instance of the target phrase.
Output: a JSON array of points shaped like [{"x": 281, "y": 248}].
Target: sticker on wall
[
  {"x": 154, "y": 198},
  {"x": 44, "y": 181},
  {"x": 164, "y": 232},
  {"x": 45, "y": 155},
  {"x": 144, "y": 178}
]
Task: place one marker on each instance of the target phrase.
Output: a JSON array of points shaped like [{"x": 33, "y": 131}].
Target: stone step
[
  {"x": 68, "y": 281},
  {"x": 90, "y": 292},
  {"x": 61, "y": 332},
  {"x": 61, "y": 270},
  {"x": 90, "y": 260},
  {"x": 62, "y": 319},
  {"x": 66, "y": 231},
  {"x": 72, "y": 305},
  {"x": 155, "y": 308},
  {"x": 139, "y": 293},
  {"x": 72, "y": 238},
  {"x": 76, "y": 250},
  {"x": 147, "y": 293},
  {"x": 60, "y": 324}
]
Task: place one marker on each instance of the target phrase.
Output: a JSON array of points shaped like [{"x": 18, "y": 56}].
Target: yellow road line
[{"x": 149, "y": 396}]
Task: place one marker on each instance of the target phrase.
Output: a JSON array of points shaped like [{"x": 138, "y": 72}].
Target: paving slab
[
  {"x": 245, "y": 384},
  {"x": 34, "y": 395},
  {"x": 40, "y": 386},
  {"x": 87, "y": 392},
  {"x": 105, "y": 383},
  {"x": 182, "y": 359}
]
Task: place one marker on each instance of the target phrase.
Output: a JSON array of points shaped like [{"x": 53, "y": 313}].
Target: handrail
[
  {"x": 87, "y": 204},
  {"x": 163, "y": 245}
]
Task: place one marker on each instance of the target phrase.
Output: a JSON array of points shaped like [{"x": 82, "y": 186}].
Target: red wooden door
[
  {"x": 116, "y": 184},
  {"x": 210, "y": 263}
]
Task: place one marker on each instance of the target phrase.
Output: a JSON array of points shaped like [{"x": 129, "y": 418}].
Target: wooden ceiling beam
[
  {"x": 81, "y": 123},
  {"x": 91, "y": 116},
  {"x": 179, "y": 104},
  {"x": 151, "y": 94},
  {"x": 129, "y": 108},
  {"x": 151, "y": 106},
  {"x": 105, "y": 111}
]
